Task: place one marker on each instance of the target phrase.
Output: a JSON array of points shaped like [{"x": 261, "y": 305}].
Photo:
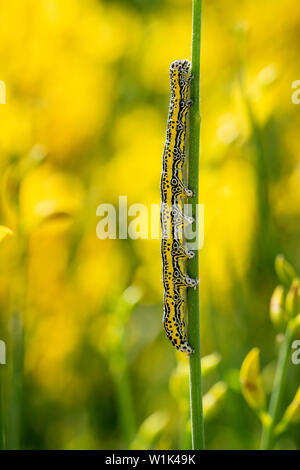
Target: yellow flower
[
  {"x": 210, "y": 363},
  {"x": 213, "y": 399},
  {"x": 292, "y": 413},
  {"x": 251, "y": 380},
  {"x": 149, "y": 430},
  {"x": 4, "y": 231}
]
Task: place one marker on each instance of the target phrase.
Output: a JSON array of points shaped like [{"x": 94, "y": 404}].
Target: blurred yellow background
[{"x": 87, "y": 92}]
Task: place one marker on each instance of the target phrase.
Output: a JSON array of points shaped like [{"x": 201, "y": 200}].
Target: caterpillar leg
[
  {"x": 181, "y": 280},
  {"x": 189, "y": 282},
  {"x": 185, "y": 104},
  {"x": 180, "y": 251},
  {"x": 179, "y": 220},
  {"x": 178, "y": 215},
  {"x": 178, "y": 225},
  {"x": 178, "y": 188}
]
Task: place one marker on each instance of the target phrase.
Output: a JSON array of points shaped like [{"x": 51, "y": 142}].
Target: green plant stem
[
  {"x": 185, "y": 434},
  {"x": 16, "y": 392},
  {"x": 2, "y": 425},
  {"x": 193, "y": 265},
  {"x": 120, "y": 371},
  {"x": 267, "y": 440},
  {"x": 15, "y": 408},
  {"x": 265, "y": 237},
  {"x": 124, "y": 397}
]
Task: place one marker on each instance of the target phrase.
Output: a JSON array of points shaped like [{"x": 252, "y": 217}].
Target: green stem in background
[
  {"x": 16, "y": 393},
  {"x": 277, "y": 393},
  {"x": 193, "y": 265},
  {"x": 265, "y": 237},
  {"x": 185, "y": 434},
  {"x": 124, "y": 396},
  {"x": 118, "y": 362},
  {"x": 14, "y": 421},
  {"x": 2, "y": 424}
]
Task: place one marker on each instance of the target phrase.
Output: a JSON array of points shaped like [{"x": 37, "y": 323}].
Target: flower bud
[
  {"x": 292, "y": 303},
  {"x": 284, "y": 270},
  {"x": 277, "y": 312},
  {"x": 295, "y": 325},
  {"x": 251, "y": 380}
]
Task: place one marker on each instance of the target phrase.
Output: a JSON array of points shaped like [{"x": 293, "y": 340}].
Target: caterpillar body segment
[{"x": 174, "y": 324}]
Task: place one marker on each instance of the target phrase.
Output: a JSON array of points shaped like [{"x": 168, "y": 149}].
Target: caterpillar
[{"x": 173, "y": 190}]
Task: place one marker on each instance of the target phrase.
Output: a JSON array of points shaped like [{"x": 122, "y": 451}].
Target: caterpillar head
[{"x": 185, "y": 347}]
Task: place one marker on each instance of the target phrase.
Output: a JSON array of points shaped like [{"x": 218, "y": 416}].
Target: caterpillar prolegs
[{"x": 173, "y": 190}]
